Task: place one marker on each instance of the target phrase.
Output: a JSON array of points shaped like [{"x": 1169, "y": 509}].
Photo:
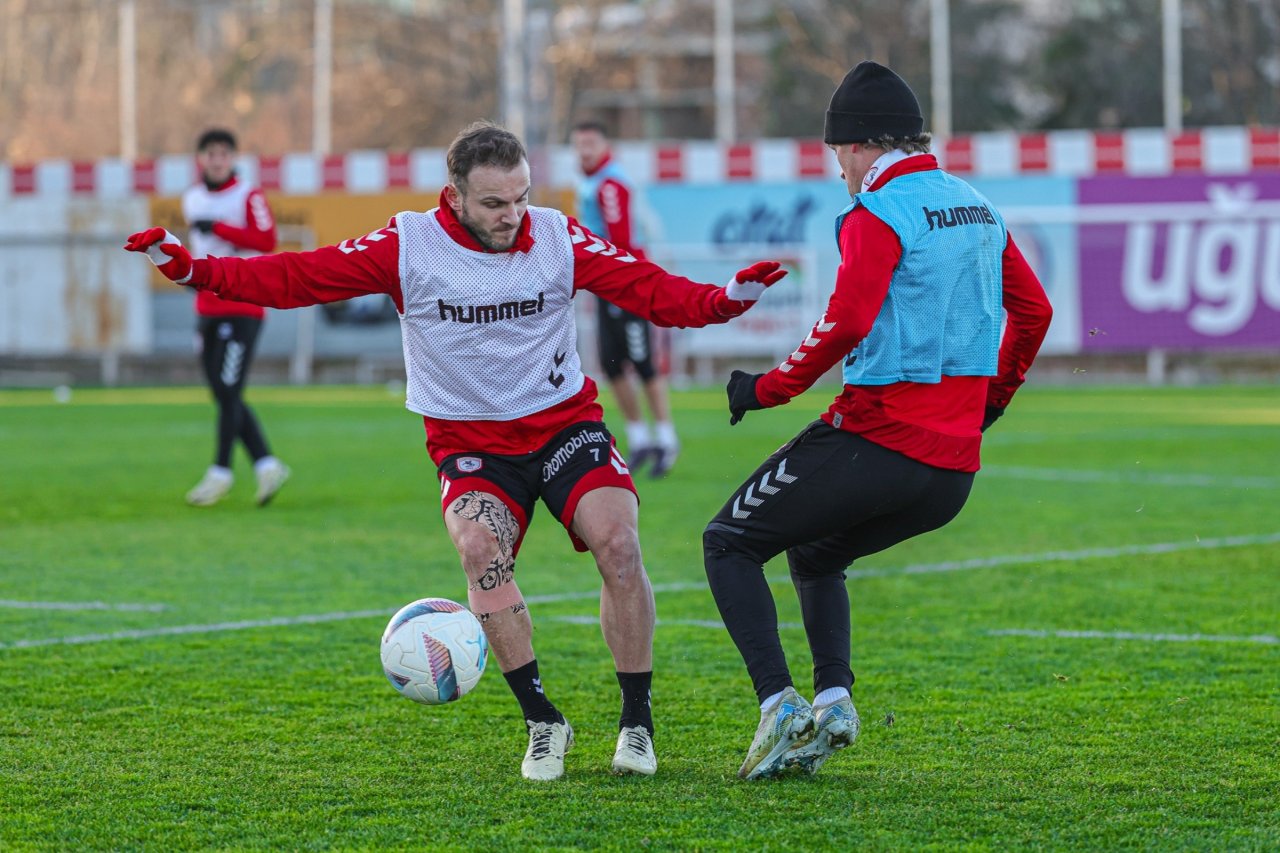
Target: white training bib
[
  {"x": 487, "y": 336},
  {"x": 230, "y": 205}
]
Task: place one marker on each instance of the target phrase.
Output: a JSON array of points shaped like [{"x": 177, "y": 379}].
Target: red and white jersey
[
  {"x": 497, "y": 325},
  {"x": 452, "y": 356},
  {"x": 234, "y": 204},
  {"x": 243, "y": 227}
]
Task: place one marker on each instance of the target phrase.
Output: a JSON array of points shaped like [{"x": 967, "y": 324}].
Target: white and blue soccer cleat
[
  {"x": 784, "y": 726},
  {"x": 837, "y": 726}
]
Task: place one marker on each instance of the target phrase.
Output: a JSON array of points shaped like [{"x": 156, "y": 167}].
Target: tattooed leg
[{"x": 485, "y": 533}]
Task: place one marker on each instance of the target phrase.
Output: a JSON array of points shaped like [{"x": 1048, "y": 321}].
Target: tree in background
[
  {"x": 1100, "y": 66},
  {"x": 819, "y": 42},
  {"x": 1231, "y": 62},
  {"x": 408, "y": 73}
]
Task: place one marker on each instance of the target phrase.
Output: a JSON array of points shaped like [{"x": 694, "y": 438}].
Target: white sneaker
[
  {"x": 271, "y": 477},
  {"x": 635, "y": 752},
  {"x": 787, "y": 724},
  {"x": 213, "y": 487},
  {"x": 548, "y": 742}
]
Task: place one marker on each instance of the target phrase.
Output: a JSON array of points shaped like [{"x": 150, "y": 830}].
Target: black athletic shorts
[
  {"x": 577, "y": 460},
  {"x": 226, "y": 349},
  {"x": 624, "y": 339}
]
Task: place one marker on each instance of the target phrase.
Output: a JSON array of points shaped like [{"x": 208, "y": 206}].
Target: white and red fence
[{"x": 1215, "y": 150}]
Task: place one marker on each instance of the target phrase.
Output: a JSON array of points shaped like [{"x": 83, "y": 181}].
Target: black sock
[
  {"x": 526, "y": 684},
  {"x": 635, "y": 700}
]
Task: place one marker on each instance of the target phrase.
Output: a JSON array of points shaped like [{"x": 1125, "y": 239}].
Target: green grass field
[{"x": 1087, "y": 658}]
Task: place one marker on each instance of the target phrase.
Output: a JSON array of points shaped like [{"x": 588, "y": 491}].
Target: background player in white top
[
  {"x": 229, "y": 218},
  {"x": 484, "y": 286},
  {"x": 606, "y": 207}
]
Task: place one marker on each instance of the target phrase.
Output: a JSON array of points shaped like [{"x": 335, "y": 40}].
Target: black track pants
[
  {"x": 227, "y": 345},
  {"x": 827, "y": 498}
]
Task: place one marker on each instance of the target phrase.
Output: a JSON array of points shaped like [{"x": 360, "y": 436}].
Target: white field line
[
  {"x": 1067, "y": 475},
  {"x": 1265, "y": 639},
  {"x": 81, "y": 605},
  {"x": 594, "y": 594},
  {"x": 688, "y": 586},
  {"x": 1081, "y": 554},
  {"x": 691, "y": 623},
  {"x": 173, "y": 630}
]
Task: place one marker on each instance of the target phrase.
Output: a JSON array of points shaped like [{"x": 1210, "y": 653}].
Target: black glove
[
  {"x": 742, "y": 394},
  {"x": 992, "y": 415},
  {"x": 204, "y": 226}
]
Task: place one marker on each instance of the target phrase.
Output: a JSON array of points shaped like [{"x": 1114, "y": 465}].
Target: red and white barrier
[{"x": 1215, "y": 150}]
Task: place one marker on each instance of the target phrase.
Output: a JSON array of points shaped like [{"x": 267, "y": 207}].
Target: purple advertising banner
[{"x": 1180, "y": 262}]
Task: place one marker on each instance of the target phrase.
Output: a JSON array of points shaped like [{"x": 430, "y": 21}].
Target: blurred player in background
[
  {"x": 484, "y": 285},
  {"x": 228, "y": 217},
  {"x": 606, "y": 206},
  {"x": 927, "y": 272}
]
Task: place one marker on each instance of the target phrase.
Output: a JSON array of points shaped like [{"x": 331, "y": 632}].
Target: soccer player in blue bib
[{"x": 928, "y": 272}]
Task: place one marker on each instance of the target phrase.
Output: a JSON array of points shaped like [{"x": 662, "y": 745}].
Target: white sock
[
  {"x": 770, "y": 701},
  {"x": 667, "y": 435},
  {"x": 217, "y": 472},
  {"x": 638, "y": 436},
  {"x": 831, "y": 694},
  {"x": 264, "y": 463}
]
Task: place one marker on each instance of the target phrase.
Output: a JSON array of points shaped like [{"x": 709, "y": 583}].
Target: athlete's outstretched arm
[
  {"x": 369, "y": 264},
  {"x": 869, "y": 252},
  {"x": 644, "y": 288}
]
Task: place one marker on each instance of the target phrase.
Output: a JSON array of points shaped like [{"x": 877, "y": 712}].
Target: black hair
[
  {"x": 216, "y": 136},
  {"x": 593, "y": 124}
]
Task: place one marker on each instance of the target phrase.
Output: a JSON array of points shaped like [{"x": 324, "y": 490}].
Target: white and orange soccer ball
[{"x": 434, "y": 651}]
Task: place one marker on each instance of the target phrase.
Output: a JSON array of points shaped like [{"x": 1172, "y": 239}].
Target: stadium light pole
[
  {"x": 322, "y": 79},
  {"x": 940, "y": 66},
  {"x": 726, "y": 118},
  {"x": 1171, "y": 19},
  {"x": 513, "y": 66},
  {"x": 127, "y": 38}
]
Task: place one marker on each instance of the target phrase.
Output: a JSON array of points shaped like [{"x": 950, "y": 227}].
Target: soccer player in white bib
[
  {"x": 484, "y": 285},
  {"x": 228, "y": 217}
]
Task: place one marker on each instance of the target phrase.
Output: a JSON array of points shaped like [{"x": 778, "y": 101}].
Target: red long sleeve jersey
[
  {"x": 371, "y": 264},
  {"x": 937, "y": 424},
  {"x": 614, "y": 199}
]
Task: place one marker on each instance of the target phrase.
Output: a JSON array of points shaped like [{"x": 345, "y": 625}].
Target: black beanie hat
[{"x": 872, "y": 102}]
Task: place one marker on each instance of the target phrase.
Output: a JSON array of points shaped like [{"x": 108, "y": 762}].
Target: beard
[{"x": 493, "y": 240}]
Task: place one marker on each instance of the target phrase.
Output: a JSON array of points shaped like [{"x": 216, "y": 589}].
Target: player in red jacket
[
  {"x": 928, "y": 271},
  {"x": 484, "y": 285},
  {"x": 229, "y": 217}
]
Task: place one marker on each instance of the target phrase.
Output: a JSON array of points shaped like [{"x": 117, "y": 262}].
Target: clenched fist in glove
[
  {"x": 749, "y": 284},
  {"x": 742, "y": 394},
  {"x": 165, "y": 251},
  {"x": 990, "y": 416}
]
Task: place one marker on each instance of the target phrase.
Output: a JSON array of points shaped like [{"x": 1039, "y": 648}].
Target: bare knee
[{"x": 617, "y": 555}]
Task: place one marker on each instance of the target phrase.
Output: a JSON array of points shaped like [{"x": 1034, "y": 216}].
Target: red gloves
[
  {"x": 165, "y": 251},
  {"x": 749, "y": 284}
]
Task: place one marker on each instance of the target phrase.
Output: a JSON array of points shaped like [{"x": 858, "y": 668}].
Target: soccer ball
[{"x": 434, "y": 651}]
